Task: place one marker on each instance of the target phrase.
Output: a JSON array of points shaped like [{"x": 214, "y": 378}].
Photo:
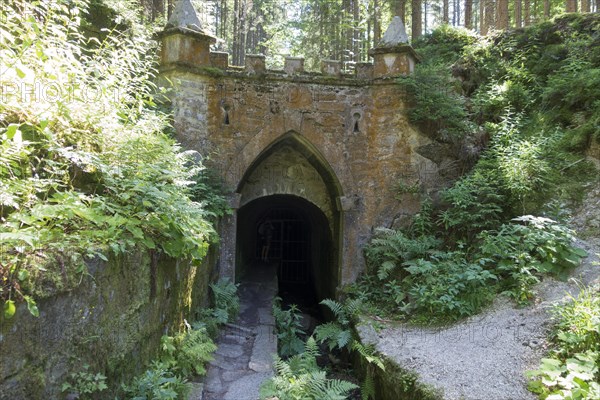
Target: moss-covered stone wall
[{"x": 112, "y": 322}]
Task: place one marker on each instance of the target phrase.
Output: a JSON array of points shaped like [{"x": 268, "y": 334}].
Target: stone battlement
[
  {"x": 255, "y": 65},
  {"x": 185, "y": 44},
  {"x": 255, "y": 68},
  {"x": 217, "y": 63}
]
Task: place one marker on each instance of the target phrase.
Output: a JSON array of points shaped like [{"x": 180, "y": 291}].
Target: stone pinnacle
[
  {"x": 184, "y": 16},
  {"x": 395, "y": 34}
]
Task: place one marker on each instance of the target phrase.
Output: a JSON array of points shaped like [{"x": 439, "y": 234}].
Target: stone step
[
  {"x": 240, "y": 328},
  {"x": 244, "y": 357}
]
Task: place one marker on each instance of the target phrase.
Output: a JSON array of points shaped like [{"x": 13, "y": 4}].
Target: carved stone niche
[{"x": 355, "y": 122}]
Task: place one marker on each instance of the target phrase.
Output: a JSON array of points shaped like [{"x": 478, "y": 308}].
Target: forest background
[{"x": 346, "y": 29}]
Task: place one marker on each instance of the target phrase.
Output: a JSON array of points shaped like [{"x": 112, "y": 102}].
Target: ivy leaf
[
  {"x": 11, "y": 130},
  {"x": 27, "y": 238},
  {"x": 32, "y": 306},
  {"x": 23, "y": 274},
  {"x": 20, "y": 73},
  {"x": 135, "y": 231},
  {"x": 9, "y": 309}
]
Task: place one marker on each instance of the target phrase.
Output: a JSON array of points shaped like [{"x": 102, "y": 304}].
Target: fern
[
  {"x": 300, "y": 378},
  {"x": 334, "y": 335},
  {"x": 338, "y": 333},
  {"x": 373, "y": 360},
  {"x": 369, "y": 354},
  {"x": 195, "y": 350},
  {"x": 189, "y": 351},
  {"x": 353, "y": 307},
  {"x": 226, "y": 300},
  {"x": 158, "y": 382},
  {"x": 336, "y": 308},
  {"x": 367, "y": 387}
]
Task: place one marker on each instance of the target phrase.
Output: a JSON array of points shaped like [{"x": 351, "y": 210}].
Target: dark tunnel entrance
[{"x": 292, "y": 234}]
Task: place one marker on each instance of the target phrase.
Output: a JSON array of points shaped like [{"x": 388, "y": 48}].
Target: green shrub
[
  {"x": 447, "y": 285},
  {"x": 520, "y": 253},
  {"x": 437, "y": 107},
  {"x": 84, "y": 383},
  {"x": 80, "y": 177},
  {"x": 475, "y": 203},
  {"x": 577, "y": 327},
  {"x": 444, "y": 44},
  {"x": 573, "y": 369},
  {"x": 288, "y": 328}
]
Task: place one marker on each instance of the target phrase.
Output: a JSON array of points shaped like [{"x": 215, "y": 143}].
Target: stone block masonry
[{"x": 112, "y": 322}]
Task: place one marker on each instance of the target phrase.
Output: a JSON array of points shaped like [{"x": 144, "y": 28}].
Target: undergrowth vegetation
[
  {"x": 525, "y": 104},
  {"x": 299, "y": 375},
  {"x": 87, "y": 166},
  {"x": 572, "y": 371},
  {"x": 186, "y": 353}
]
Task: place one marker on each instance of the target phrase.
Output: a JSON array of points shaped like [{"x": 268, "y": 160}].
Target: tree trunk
[
  {"x": 502, "y": 14},
  {"x": 416, "y": 19},
  {"x": 158, "y": 9},
  {"x": 455, "y": 22},
  {"x": 482, "y": 27},
  {"x": 170, "y": 5},
  {"x": 527, "y": 21},
  {"x": 376, "y": 22},
  {"x": 571, "y": 5},
  {"x": 468, "y": 14},
  {"x": 356, "y": 42},
  {"x": 585, "y": 5},
  {"x": 488, "y": 16},
  {"x": 424, "y": 15},
  {"x": 238, "y": 32},
  {"x": 400, "y": 9},
  {"x": 445, "y": 8},
  {"x": 518, "y": 13},
  {"x": 546, "y": 9}
]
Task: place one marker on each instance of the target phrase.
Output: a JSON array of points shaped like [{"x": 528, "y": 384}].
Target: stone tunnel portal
[
  {"x": 291, "y": 189},
  {"x": 300, "y": 245}
]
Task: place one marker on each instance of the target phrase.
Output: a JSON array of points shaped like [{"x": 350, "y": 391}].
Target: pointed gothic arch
[
  {"x": 291, "y": 178},
  {"x": 309, "y": 151}
]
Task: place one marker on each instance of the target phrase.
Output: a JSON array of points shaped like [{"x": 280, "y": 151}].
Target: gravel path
[{"x": 485, "y": 356}]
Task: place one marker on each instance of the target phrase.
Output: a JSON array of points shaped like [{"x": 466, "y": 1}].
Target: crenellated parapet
[{"x": 185, "y": 44}]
